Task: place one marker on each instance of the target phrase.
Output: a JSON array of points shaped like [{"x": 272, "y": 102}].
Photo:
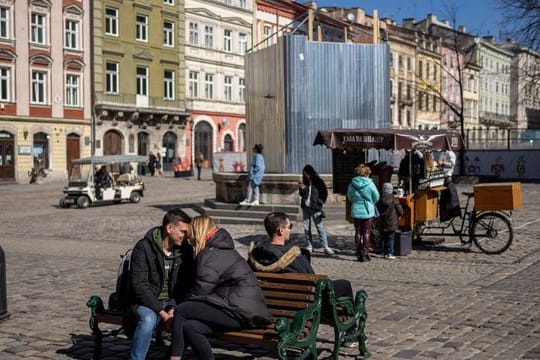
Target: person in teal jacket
[
  {"x": 255, "y": 175},
  {"x": 363, "y": 195}
]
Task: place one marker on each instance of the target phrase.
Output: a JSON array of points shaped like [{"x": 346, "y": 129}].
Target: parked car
[{"x": 103, "y": 179}]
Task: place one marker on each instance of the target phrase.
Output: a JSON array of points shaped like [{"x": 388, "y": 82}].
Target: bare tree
[{"x": 522, "y": 20}]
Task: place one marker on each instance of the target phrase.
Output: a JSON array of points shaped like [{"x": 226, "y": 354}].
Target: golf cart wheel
[
  {"x": 135, "y": 197},
  {"x": 62, "y": 203},
  {"x": 83, "y": 202}
]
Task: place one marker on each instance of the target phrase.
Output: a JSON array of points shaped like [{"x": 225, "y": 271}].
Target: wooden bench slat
[
  {"x": 289, "y": 296},
  {"x": 276, "y": 303},
  {"x": 300, "y": 288}
]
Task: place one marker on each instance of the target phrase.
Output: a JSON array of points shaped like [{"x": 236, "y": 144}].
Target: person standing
[
  {"x": 226, "y": 295},
  {"x": 161, "y": 274},
  {"x": 363, "y": 195},
  {"x": 447, "y": 161},
  {"x": 199, "y": 161},
  {"x": 390, "y": 210},
  {"x": 158, "y": 166},
  {"x": 152, "y": 163},
  {"x": 255, "y": 176},
  {"x": 313, "y": 195}
]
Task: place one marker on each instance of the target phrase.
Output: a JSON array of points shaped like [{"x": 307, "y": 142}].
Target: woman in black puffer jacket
[{"x": 225, "y": 295}]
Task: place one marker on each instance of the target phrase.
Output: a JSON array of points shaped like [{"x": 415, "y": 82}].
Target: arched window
[
  {"x": 242, "y": 137},
  {"x": 142, "y": 143},
  {"x": 41, "y": 150},
  {"x": 228, "y": 143},
  {"x": 112, "y": 143}
]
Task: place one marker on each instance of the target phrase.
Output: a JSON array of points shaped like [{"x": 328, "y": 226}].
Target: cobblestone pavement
[{"x": 437, "y": 303}]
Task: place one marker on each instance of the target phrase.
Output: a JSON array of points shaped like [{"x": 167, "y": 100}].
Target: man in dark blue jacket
[{"x": 161, "y": 274}]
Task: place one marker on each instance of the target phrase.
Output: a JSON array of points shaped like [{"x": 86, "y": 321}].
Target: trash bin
[{"x": 3, "y": 293}]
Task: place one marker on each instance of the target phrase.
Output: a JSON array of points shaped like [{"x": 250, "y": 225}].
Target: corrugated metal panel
[
  {"x": 331, "y": 85},
  {"x": 317, "y": 86}
]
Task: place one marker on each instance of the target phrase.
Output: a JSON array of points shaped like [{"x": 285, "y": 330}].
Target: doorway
[
  {"x": 169, "y": 144},
  {"x": 112, "y": 143},
  {"x": 203, "y": 140},
  {"x": 73, "y": 151},
  {"x": 7, "y": 156}
]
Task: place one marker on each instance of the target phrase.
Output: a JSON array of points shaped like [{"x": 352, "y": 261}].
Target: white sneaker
[
  {"x": 328, "y": 251},
  {"x": 254, "y": 203},
  {"x": 244, "y": 203},
  {"x": 309, "y": 248},
  {"x": 350, "y": 344},
  {"x": 391, "y": 257}
]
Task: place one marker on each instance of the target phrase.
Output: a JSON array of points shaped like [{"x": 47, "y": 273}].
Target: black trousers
[{"x": 193, "y": 322}]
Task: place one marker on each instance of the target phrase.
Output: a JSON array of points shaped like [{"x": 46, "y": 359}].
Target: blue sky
[{"x": 480, "y": 17}]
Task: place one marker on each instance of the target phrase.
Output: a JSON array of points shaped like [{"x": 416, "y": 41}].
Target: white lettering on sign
[{"x": 363, "y": 139}]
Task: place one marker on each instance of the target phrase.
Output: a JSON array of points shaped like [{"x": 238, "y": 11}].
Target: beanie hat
[{"x": 387, "y": 188}]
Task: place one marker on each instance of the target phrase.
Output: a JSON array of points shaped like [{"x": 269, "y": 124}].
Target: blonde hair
[
  {"x": 362, "y": 170},
  {"x": 430, "y": 162},
  {"x": 198, "y": 230}
]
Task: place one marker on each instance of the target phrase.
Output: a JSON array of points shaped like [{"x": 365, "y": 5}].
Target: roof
[{"x": 111, "y": 159}]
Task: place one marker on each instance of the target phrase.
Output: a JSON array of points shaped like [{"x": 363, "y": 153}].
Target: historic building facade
[
  {"x": 44, "y": 87},
  {"x": 218, "y": 35},
  {"x": 139, "y": 79}
]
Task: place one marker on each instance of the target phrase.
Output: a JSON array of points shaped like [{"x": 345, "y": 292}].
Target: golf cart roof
[{"x": 111, "y": 159}]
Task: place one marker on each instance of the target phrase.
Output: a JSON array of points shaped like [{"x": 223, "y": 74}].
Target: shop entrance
[
  {"x": 203, "y": 140},
  {"x": 7, "y": 156}
]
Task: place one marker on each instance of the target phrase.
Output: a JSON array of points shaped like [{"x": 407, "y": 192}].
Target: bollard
[{"x": 3, "y": 292}]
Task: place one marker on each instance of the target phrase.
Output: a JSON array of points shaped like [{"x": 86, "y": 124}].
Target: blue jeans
[
  {"x": 388, "y": 242},
  {"x": 319, "y": 224},
  {"x": 147, "y": 321},
  {"x": 252, "y": 188}
]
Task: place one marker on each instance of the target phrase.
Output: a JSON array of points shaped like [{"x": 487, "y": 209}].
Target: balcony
[
  {"x": 132, "y": 102},
  {"x": 497, "y": 120}
]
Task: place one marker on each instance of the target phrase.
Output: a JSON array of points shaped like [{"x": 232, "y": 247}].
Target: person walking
[
  {"x": 152, "y": 163},
  {"x": 255, "y": 176},
  {"x": 199, "y": 161},
  {"x": 363, "y": 195},
  {"x": 313, "y": 195},
  {"x": 226, "y": 295},
  {"x": 161, "y": 274},
  {"x": 390, "y": 211}
]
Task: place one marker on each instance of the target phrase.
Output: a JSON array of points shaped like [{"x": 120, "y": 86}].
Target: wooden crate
[
  {"x": 500, "y": 196},
  {"x": 426, "y": 205}
]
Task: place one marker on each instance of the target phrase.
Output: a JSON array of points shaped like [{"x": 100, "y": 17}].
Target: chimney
[
  {"x": 432, "y": 18},
  {"x": 462, "y": 28},
  {"x": 409, "y": 23},
  {"x": 488, "y": 39}
]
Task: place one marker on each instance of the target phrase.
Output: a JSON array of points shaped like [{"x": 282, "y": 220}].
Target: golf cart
[{"x": 103, "y": 179}]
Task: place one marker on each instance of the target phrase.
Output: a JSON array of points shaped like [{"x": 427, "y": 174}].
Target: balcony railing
[{"x": 137, "y": 101}]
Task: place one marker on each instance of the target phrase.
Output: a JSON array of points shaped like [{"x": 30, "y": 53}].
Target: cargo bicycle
[{"x": 491, "y": 231}]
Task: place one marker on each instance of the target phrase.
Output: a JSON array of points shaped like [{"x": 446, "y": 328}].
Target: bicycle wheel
[{"x": 492, "y": 232}]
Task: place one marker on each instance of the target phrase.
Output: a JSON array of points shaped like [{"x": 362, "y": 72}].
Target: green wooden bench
[{"x": 294, "y": 299}]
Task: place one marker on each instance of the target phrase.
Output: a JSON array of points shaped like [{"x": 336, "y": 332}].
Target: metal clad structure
[{"x": 325, "y": 86}]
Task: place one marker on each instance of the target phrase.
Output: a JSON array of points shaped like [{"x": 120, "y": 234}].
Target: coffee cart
[{"x": 486, "y": 223}]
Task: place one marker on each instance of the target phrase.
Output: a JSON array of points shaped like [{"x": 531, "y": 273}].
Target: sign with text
[{"x": 25, "y": 149}]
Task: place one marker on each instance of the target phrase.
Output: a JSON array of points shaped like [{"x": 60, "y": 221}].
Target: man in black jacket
[{"x": 161, "y": 274}]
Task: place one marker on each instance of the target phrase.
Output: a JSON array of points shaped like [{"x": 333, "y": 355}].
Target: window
[
  {"x": 168, "y": 85},
  {"x": 38, "y": 28},
  {"x": 243, "y": 4},
  {"x": 227, "y": 40},
  {"x": 228, "y": 88},
  {"x": 168, "y": 33},
  {"x": 266, "y": 31},
  {"x": 141, "y": 26},
  {"x": 71, "y": 34},
  {"x": 111, "y": 77},
  {"x": 209, "y": 86},
  {"x": 435, "y": 73},
  {"x": 39, "y": 87},
  {"x": 420, "y": 100},
  {"x": 242, "y": 43},
  {"x": 4, "y": 23},
  {"x": 434, "y": 102},
  {"x": 73, "y": 83},
  {"x": 420, "y": 69},
  {"x": 111, "y": 21},
  {"x": 408, "y": 114},
  {"x": 208, "y": 36},
  {"x": 400, "y": 61},
  {"x": 428, "y": 69},
  {"x": 241, "y": 90},
  {"x": 427, "y": 102},
  {"x": 41, "y": 150},
  {"x": 168, "y": 2},
  {"x": 193, "y": 84},
  {"x": 193, "y": 33},
  {"x": 5, "y": 84},
  {"x": 142, "y": 80},
  {"x": 409, "y": 65},
  {"x": 409, "y": 92},
  {"x": 228, "y": 143}
]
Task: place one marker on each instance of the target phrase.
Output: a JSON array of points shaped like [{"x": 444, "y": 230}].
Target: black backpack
[{"x": 119, "y": 301}]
